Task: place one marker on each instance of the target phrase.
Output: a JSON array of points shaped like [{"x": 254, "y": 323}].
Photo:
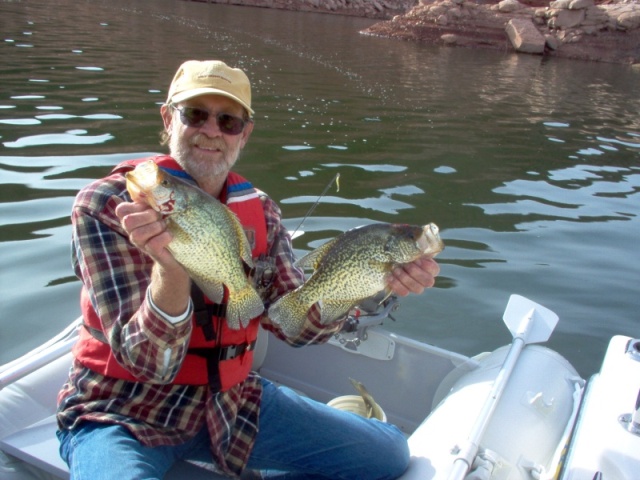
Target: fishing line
[{"x": 335, "y": 179}]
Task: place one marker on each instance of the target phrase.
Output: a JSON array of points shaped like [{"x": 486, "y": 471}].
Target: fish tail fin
[
  {"x": 242, "y": 306},
  {"x": 289, "y": 313}
]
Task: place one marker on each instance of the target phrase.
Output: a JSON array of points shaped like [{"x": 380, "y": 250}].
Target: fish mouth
[
  {"x": 136, "y": 190},
  {"x": 141, "y": 181},
  {"x": 430, "y": 242}
]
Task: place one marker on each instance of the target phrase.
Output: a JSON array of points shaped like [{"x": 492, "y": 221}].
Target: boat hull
[{"x": 529, "y": 422}]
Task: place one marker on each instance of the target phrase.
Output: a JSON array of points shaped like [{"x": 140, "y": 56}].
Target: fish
[
  {"x": 369, "y": 403},
  {"x": 350, "y": 268},
  {"x": 208, "y": 239}
]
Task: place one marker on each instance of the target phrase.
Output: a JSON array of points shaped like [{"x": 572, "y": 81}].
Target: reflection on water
[{"x": 530, "y": 167}]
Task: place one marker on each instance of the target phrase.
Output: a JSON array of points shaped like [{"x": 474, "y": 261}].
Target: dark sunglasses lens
[
  {"x": 229, "y": 124},
  {"x": 193, "y": 117},
  {"x": 196, "y": 117}
]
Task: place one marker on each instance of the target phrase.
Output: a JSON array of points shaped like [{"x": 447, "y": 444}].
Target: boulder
[
  {"x": 629, "y": 20},
  {"x": 524, "y": 36},
  {"x": 508, "y": 6},
  {"x": 560, "y": 4},
  {"x": 580, "y": 4},
  {"x": 567, "y": 19},
  {"x": 551, "y": 42}
]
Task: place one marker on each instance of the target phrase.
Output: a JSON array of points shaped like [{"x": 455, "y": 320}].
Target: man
[{"x": 146, "y": 389}]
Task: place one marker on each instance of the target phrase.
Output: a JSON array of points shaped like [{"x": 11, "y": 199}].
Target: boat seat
[{"x": 36, "y": 444}]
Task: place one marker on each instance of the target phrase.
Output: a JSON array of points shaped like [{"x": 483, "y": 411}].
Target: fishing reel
[
  {"x": 370, "y": 312},
  {"x": 355, "y": 336}
]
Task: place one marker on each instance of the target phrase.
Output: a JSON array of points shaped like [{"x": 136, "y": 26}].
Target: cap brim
[{"x": 181, "y": 97}]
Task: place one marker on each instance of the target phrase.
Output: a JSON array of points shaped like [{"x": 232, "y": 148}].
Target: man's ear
[
  {"x": 246, "y": 133},
  {"x": 167, "y": 117}
]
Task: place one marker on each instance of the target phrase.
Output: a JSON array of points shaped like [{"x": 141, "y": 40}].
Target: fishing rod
[{"x": 335, "y": 179}]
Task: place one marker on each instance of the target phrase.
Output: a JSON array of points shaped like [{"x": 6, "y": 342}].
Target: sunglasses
[{"x": 196, "y": 117}]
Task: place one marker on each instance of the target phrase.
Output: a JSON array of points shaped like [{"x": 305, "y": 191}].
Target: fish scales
[
  {"x": 199, "y": 238},
  {"x": 208, "y": 239},
  {"x": 344, "y": 284},
  {"x": 350, "y": 268}
]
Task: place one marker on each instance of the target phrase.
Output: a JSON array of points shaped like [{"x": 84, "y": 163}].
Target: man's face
[{"x": 205, "y": 151}]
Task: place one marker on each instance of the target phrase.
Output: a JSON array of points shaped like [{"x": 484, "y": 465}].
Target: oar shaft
[
  {"x": 469, "y": 450},
  {"x": 497, "y": 390},
  {"x": 15, "y": 373}
]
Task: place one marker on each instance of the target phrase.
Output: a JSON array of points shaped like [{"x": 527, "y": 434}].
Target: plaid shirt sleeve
[
  {"x": 116, "y": 276},
  {"x": 290, "y": 277}
]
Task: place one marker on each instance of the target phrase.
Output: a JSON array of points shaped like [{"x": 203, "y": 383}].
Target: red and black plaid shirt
[{"x": 116, "y": 275}]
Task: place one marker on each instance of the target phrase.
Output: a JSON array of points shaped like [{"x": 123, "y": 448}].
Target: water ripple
[
  {"x": 569, "y": 194},
  {"x": 68, "y": 138}
]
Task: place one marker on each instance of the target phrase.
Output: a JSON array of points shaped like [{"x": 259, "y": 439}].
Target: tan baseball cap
[{"x": 195, "y": 78}]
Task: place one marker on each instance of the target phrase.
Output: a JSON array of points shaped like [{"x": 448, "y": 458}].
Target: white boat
[{"x": 520, "y": 412}]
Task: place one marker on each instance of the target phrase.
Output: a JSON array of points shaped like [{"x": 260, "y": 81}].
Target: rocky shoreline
[
  {"x": 577, "y": 29},
  {"x": 379, "y": 9},
  {"x": 595, "y": 30}
]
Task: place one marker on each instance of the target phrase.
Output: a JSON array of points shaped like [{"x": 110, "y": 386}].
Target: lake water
[{"x": 530, "y": 167}]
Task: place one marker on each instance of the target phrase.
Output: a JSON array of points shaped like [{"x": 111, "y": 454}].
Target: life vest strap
[
  {"x": 215, "y": 355},
  {"x": 204, "y": 312}
]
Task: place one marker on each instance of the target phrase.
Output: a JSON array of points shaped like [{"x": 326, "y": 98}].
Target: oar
[{"x": 528, "y": 323}]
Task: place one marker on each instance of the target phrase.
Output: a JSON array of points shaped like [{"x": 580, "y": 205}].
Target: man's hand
[
  {"x": 413, "y": 277},
  {"x": 170, "y": 283},
  {"x": 146, "y": 229}
]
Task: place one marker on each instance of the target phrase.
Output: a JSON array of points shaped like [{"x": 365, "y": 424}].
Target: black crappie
[
  {"x": 208, "y": 239},
  {"x": 350, "y": 268}
]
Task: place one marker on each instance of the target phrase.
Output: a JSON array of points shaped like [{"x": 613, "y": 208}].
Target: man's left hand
[{"x": 413, "y": 277}]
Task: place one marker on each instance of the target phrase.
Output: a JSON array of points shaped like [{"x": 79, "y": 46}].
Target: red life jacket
[{"x": 220, "y": 365}]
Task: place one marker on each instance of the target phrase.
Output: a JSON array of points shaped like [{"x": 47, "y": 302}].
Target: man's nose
[{"x": 211, "y": 127}]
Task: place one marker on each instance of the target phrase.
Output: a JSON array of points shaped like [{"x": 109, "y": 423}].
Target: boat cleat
[
  {"x": 633, "y": 349},
  {"x": 631, "y": 421}
]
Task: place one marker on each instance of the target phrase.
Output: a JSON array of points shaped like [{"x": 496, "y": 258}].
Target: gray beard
[{"x": 203, "y": 171}]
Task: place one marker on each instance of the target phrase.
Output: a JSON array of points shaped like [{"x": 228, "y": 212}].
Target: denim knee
[{"x": 396, "y": 453}]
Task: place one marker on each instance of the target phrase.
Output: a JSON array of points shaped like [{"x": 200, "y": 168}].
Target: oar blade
[{"x": 542, "y": 323}]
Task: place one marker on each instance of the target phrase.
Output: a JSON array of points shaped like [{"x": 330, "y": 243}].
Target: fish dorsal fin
[{"x": 312, "y": 259}]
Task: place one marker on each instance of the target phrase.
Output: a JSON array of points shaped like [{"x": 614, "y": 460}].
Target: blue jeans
[{"x": 298, "y": 438}]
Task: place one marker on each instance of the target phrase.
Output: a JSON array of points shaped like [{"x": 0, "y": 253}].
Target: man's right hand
[{"x": 147, "y": 230}]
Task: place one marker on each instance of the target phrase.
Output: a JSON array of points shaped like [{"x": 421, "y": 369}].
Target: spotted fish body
[
  {"x": 208, "y": 239},
  {"x": 350, "y": 268}
]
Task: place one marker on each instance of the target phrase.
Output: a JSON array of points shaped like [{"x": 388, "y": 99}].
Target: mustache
[{"x": 203, "y": 141}]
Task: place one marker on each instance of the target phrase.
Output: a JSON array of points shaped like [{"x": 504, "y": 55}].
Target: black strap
[
  {"x": 212, "y": 356},
  {"x": 203, "y": 315},
  {"x": 215, "y": 355},
  {"x": 224, "y": 353},
  {"x": 204, "y": 312}
]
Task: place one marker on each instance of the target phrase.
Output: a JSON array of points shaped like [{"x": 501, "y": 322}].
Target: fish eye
[{"x": 164, "y": 183}]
